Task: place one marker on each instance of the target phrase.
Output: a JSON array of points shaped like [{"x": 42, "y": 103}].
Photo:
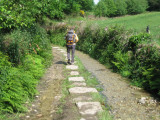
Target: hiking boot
[{"x": 69, "y": 62}]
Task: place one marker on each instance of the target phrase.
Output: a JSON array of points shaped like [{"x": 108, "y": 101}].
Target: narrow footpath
[
  {"x": 80, "y": 95},
  {"x": 126, "y": 102},
  {"x": 77, "y": 106}
]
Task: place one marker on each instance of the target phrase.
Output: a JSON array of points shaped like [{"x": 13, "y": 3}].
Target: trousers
[{"x": 69, "y": 49}]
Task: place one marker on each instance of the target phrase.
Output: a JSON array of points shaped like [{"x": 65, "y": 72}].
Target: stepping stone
[
  {"x": 89, "y": 108},
  {"x": 56, "y": 47},
  {"x": 82, "y": 90},
  {"x": 89, "y": 118},
  {"x": 82, "y": 99},
  {"x": 79, "y": 84},
  {"x": 65, "y": 55},
  {"x": 76, "y": 79},
  {"x": 72, "y": 67},
  {"x": 62, "y": 51},
  {"x": 82, "y": 119},
  {"x": 74, "y": 73}
]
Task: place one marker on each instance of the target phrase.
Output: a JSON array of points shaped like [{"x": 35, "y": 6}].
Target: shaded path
[{"x": 122, "y": 98}]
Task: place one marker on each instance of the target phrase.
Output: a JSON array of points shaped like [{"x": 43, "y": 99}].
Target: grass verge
[{"x": 91, "y": 81}]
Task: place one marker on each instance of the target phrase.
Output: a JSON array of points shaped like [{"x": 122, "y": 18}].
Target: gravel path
[{"x": 126, "y": 102}]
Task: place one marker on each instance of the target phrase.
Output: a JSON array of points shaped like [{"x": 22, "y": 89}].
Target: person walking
[{"x": 71, "y": 40}]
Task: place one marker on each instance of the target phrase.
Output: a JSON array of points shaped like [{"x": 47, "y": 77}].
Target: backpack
[{"x": 70, "y": 37}]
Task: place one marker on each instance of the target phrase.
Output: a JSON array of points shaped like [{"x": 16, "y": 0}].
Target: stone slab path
[
  {"x": 72, "y": 67},
  {"x": 88, "y": 109},
  {"x": 82, "y": 90},
  {"x": 76, "y": 79}
]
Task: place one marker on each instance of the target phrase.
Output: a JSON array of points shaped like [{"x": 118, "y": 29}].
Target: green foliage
[
  {"x": 30, "y": 51},
  {"x": 72, "y": 7},
  {"x": 21, "y": 42},
  {"x": 121, "y": 7},
  {"x": 22, "y": 13},
  {"x": 57, "y": 34},
  {"x": 136, "y": 6},
  {"x": 34, "y": 65},
  {"x": 131, "y": 56},
  {"x": 111, "y": 8},
  {"x": 105, "y": 8},
  {"x": 17, "y": 85},
  {"x": 135, "y": 40},
  {"x": 86, "y": 5},
  {"x": 58, "y": 39},
  {"x": 54, "y": 9},
  {"x": 121, "y": 63},
  {"x": 18, "y": 13},
  {"x": 154, "y": 5}
]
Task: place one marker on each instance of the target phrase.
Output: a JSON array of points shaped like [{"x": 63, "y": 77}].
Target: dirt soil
[{"x": 124, "y": 100}]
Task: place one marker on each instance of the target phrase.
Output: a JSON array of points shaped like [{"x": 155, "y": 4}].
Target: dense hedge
[
  {"x": 111, "y": 8},
  {"x": 26, "y": 54},
  {"x": 17, "y": 85},
  {"x": 131, "y": 55}
]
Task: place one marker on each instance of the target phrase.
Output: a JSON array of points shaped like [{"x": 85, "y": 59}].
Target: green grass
[
  {"x": 91, "y": 81},
  {"x": 137, "y": 23}
]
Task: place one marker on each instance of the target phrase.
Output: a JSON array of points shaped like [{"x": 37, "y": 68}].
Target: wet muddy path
[
  {"x": 46, "y": 103},
  {"x": 126, "y": 102}
]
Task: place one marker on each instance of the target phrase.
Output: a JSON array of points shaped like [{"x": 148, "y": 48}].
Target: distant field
[{"x": 138, "y": 23}]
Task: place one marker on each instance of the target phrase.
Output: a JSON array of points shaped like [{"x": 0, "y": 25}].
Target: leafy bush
[
  {"x": 105, "y": 8},
  {"x": 17, "y": 85},
  {"x": 57, "y": 33},
  {"x": 72, "y": 7},
  {"x": 130, "y": 55},
  {"x": 154, "y": 5},
  {"x": 58, "y": 39},
  {"x": 21, "y": 42},
  {"x": 18, "y": 13},
  {"x": 111, "y": 8},
  {"x": 86, "y": 5},
  {"x": 34, "y": 65},
  {"x": 53, "y": 9},
  {"x": 121, "y": 7},
  {"x": 135, "y": 40},
  {"x": 136, "y": 6},
  {"x": 121, "y": 63},
  {"x": 30, "y": 51}
]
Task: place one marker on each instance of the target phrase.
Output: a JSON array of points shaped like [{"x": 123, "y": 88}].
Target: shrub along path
[{"x": 126, "y": 102}]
